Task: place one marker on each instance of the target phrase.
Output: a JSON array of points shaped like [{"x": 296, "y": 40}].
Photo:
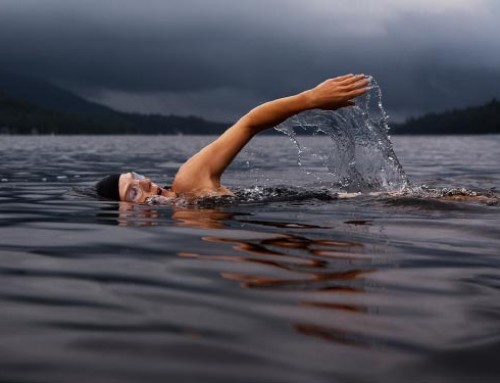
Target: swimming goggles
[{"x": 135, "y": 191}]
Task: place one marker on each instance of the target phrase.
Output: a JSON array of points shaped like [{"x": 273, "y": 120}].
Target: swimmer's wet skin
[{"x": 200, "y": 175}]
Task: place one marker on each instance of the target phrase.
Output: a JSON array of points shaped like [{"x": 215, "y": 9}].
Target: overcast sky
[{"x": 219, "y": 58}]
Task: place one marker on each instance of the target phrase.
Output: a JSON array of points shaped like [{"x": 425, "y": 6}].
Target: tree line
[
  {"x": 21, "y": 117},
  {"x": 484, "y": 119}
]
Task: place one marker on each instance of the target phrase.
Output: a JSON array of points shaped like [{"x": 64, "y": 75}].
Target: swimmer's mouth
[{"x": 159, "y": 191}]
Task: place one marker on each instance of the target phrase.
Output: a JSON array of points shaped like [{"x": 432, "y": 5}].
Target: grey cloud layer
[{"x": 424, "y": 60}]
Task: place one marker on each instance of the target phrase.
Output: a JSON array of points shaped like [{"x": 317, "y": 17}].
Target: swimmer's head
[
  {"x": 130, "y": 187},
  {"x": 108, "y": 187}
]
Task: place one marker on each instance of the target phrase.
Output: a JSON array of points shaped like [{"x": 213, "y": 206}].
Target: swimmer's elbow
[
  {"x": 192, "y": 176},
  {"x": 178, "y": 186},
  {"x": 183, "y": 181}
]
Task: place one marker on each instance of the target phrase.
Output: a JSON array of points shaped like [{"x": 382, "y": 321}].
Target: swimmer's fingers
[
  {"x": 359, "y": 82},
  {"x": 354, "y": 79},
  {"x": 357, "y": 92},
  {"x": 347, "y": 84},
  {"x": 333, "y": 94},
  {"x": 343, "y": 78},
  {"x": 346, "y": 79}
]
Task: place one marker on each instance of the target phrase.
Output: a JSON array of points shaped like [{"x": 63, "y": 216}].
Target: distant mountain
[
  {"x": 45, "y": 95},
  {"x": 483, "y": 119},
  {"x": 30, "y": 105}
]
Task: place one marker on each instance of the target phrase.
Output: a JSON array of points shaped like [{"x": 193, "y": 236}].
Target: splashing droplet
[{"x": 361, "y": 157}]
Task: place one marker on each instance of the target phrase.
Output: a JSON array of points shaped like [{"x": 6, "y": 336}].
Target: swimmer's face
[{"x": 134, "y": 187}]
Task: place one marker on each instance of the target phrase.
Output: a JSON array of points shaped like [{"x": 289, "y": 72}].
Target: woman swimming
[{"x": 200, "y": 175}]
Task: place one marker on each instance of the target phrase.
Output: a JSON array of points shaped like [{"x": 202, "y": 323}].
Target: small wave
[
  {"x": 263, "y": 195},
  {"x": 285, "y": 193},
  {"x": 82, "y": 192},
  {"x": 459, "y": 194}
]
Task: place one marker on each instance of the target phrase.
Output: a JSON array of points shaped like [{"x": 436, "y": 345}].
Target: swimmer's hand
[{"x": 337, "y": 92}]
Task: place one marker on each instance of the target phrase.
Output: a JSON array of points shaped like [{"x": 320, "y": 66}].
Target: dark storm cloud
[
  {"x": 195, "y": 55},
  {"x": 173, "y": 47}
]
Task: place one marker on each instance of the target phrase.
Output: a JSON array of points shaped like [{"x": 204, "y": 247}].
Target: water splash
[{"x": 361, "y": 157}]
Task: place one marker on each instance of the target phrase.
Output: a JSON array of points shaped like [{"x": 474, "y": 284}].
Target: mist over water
[{"x": 360, "y": 157}]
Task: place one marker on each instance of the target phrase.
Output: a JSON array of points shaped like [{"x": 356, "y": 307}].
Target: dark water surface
[{"x": 288, "y": 284}]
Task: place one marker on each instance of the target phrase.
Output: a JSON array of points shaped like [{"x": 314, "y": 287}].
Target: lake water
[{"x": 289, "y": 283}]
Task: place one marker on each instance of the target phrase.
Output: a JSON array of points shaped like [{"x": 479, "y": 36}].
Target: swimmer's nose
[{"x": 146, "y": 184}]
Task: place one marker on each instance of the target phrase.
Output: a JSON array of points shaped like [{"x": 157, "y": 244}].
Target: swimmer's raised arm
[
  {"x": 202, "y": 172},
  {"x": 331, "y": 94}
]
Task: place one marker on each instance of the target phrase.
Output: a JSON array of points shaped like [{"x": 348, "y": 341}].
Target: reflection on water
[
  {"x": 311, "y": 265},
  {"x": 286, "y": 261},
  {"x": 308, "y": 261},
  {"x": 131, "y": 214}
]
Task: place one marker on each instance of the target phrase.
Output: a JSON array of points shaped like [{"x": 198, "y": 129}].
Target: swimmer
[{"x": 200, "y": 175}]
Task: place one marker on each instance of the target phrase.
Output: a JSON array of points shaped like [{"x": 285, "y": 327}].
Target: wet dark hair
[{"x": 108, "y": 187}]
